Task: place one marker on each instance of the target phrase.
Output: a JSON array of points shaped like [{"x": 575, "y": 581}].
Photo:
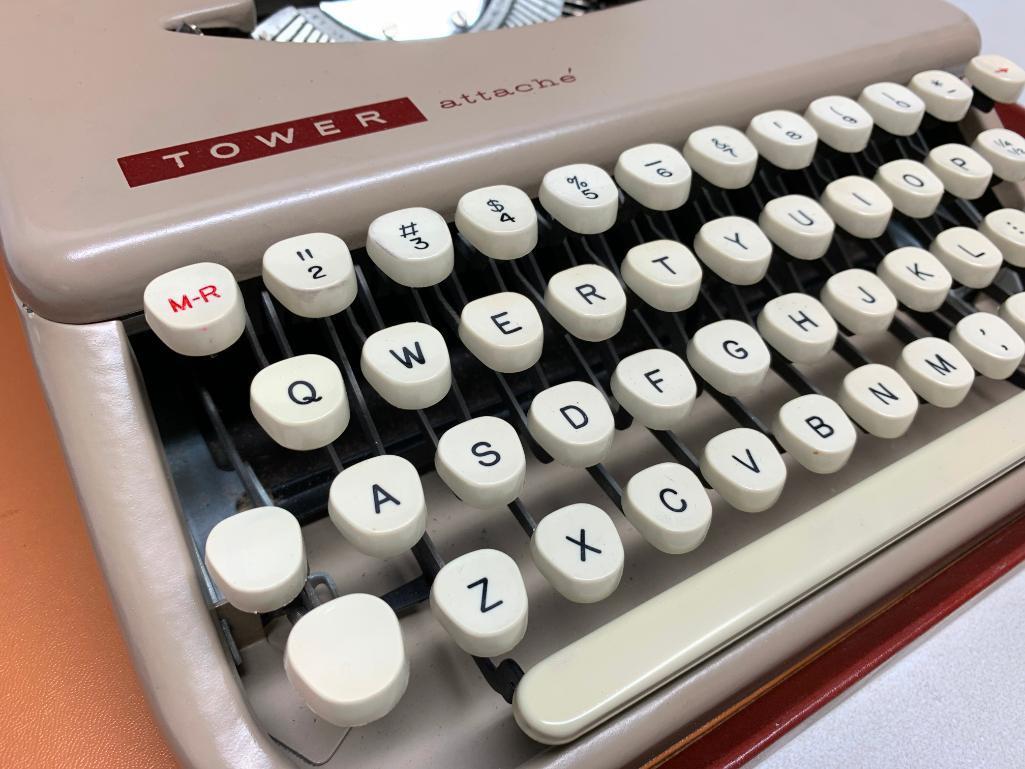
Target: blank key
[
  {"x": 257, "y": 559},
  {"x": 347, "y": 660}
]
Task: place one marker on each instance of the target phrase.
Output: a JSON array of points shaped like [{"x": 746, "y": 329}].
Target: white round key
[
  {"x": 347, "y": 660},
  {"x": 878, "y": 399},
  {"x": 482, "y": 461},
  {"x": 573, "y": 423},
  {"x": 588, "y": 301},
  {"x": 798, "y": 327},
  {"x": 1006, "y": 230},
  {"x": 581, "y": 197},
  {"x": 412, "y": 246},
  {"x": 859, "y": 301},
  {"x": 408, "y": 365},
  {"x": 730, "y": 356},
  {"x": 745, "y": 468},
  {"x": 936, "y": 370},
  {"x": 300, "y": 402},
  {"x": 858, "y": 205},
  {"x": 970, "y": 256},
  {"x": 1013, "y": 312},
  {"x": 798, "y": 225},
  {"x": 916, "y": 277},
  {"x": 655, "y": 387},
  {"x": 841, "y": 123},
  {"x": 503, "y": 330},
  {"x": 735, "y": 249},
  {"x": 722, "y": 155},
  {"x": 668, "y": 505},
  {"x": 195, "y": 310},
  {"x": 996, "y": 76},
  {"x": 664, "y": 273},
  {"x": 480, "y": 600},
  {"x": 783, "y": 138},
  {"x": 946, "y": 97},
  {"x": 894, "y": 108},
  {"x": 378, "y": 505},
  {"x": 963, "y": 171},
  {"x": 816, "y": 432},
  {"x": 257, "y": 559},
  {"x": 579, "y": 552},
  {"x": 498, "y": 221},
  {"x": 914, "y": 189},
  {"x": 1005, "y": 151},
  {"x": 989, "y": 343},
  {"x": 655, "y": 175},
  {"x": 311, "y": 275}
]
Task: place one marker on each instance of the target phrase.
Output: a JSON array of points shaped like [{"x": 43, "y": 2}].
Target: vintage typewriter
[{"x": 511, "y": 382}]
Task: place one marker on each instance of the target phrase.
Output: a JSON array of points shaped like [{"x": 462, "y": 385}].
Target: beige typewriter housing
[{"x": 87, "y": 84}]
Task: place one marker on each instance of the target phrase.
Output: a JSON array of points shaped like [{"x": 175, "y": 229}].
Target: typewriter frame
[{"x": 101, "y": 410}]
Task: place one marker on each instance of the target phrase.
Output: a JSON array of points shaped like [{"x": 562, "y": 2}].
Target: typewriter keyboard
[{"x": 564, "y": 401}]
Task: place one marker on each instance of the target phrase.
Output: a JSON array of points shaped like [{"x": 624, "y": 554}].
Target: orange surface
[{"x": 69, "y": 696}]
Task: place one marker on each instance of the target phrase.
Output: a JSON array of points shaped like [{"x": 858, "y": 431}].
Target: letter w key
[{"x": 484, "y": 606}]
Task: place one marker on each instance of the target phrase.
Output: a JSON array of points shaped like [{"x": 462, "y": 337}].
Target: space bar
[{"x": 590, "y": 680}]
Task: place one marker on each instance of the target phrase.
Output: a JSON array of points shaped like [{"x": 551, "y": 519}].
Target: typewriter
[{"x": 511, "y": 382}]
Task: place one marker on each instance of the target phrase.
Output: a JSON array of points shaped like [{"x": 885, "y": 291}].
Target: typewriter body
[{"x": 147, "y": 140}]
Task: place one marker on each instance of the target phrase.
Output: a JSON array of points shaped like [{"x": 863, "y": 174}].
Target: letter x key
[{"x": 582, "y": 544}]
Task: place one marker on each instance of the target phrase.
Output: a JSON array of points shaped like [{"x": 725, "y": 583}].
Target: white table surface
[{"x": 955, "y": 697}]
